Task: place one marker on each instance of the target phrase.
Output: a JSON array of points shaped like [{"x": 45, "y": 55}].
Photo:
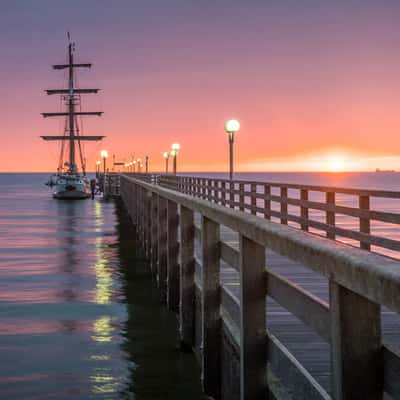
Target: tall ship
[{"x": 69, "y": 182}]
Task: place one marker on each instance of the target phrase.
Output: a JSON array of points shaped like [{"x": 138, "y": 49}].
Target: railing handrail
[
  {"x": 371, "y": 275},
  {"x": 317, "y": 188}
]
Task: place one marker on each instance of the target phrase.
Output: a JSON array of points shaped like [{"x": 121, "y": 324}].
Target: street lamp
[
  {"x": 104, "y": 155},
  {"x": 98, "y": 163},
  {"x": 166, "y": 156},
  {"x": 146, "y": 159},
  {"x": 134, "y": 166},
  {"x": 139, "y": 165},
  {"x": 231, "y": 127},
  {"x": 175, "y": 147}
]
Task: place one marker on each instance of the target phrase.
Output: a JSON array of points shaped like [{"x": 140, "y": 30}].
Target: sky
[{"x": 314, "y": 84}]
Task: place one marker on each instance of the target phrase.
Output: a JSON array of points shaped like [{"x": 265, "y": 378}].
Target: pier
[{"x": 271, "y": 310}]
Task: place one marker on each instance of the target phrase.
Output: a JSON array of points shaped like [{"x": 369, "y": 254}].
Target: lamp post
[
  {"x": 139, "y": 165},
  {"x": 231, "y": 127},
  {"x": 175, "y": 147},
  {"x": 104, "y": 155},
  {"x": 98, "y": 163},
  {"x": 166, "y": 156},
  {"x": 146, "y": 159}
]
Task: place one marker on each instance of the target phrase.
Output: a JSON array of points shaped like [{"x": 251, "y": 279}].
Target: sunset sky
[{"x": 315, "y": 84}]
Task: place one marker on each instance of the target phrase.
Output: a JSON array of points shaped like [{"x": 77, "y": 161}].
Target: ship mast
[
  {"x": 71, "y": 109},
  {"x": 71, "y": 95}
]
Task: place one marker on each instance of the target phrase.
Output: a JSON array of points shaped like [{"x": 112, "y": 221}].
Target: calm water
[{"x": 79, "y": 315}]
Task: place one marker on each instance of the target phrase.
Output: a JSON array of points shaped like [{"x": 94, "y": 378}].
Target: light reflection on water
[{"x": 64, "y": 312}]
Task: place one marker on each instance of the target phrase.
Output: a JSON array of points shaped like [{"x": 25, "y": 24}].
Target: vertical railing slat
[
  {"x": 187, "y": 269},
  {"x": 162, "y": 248},
  {"x": 253, "y": 354},
  {"x": 365, "y": 223},
  {"x": 330, "y": 215},
  {"x": 284, "y": 206},
  {"x": 211, "y": 327},
  {"x": 355, "y": 345},
  {"x": 172, "y": 256},
  {"x": 304, "y": 209}
]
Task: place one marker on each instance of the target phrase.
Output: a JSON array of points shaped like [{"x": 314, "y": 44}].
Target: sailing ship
[{"x": 68, "y": 182}]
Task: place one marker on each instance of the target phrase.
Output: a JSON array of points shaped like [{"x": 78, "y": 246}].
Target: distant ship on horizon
[
  {"x": 384, "y": 170},
  {"x": 68, "y": 183}
]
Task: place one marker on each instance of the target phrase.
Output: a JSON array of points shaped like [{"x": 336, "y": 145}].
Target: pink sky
[{"x": 313, "y": 86}]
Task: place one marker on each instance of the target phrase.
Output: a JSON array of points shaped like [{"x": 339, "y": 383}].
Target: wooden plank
[
  {"x": 253, "y": 199},
  {"x": 330, "y": 215},
  {"x": 267, "y": 203},
  {"x": 308, "y": 308},
  {"x": 231, "y": 306},
  {"x": 187, "y": 268},
  {"x": 211, "y": 327},
  {"x": 365, "y": 226},
  {"x": 229, "y": 255},
  {"x": 241, "y": 197},
  {"x": 304, "y": 209},
  {"x": 356, "y": 354},
  {"x": 293, "y": 375},
  {"x": 172, "y": 257},
  {"x": 253, "y": 353},
  {"x": 197, "y": 233},
  {"x": 154, "y": 233},
  {"x": 284, "y": 206},
  {"x": 162, "y": 248},
  {"x": 391, "y": 371}
]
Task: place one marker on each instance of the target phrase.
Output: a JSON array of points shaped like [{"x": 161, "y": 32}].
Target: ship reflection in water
[{"x": 80, "y": 317}]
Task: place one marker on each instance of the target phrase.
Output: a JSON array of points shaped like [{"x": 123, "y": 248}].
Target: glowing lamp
[
  {"x": 104, "y": 154},
  {"x": 175, "y": 147},
  {"x": 232, "y": 126}
]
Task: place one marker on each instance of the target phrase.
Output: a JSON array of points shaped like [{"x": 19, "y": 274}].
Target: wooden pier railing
[
  {"x": 360, "y": 282},
  {"x": 294, "y": 205}
]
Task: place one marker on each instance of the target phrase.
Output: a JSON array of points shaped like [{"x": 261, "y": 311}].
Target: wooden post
[
  {"x": 187, "y": 288},
  {"x": 154, "y": 233},
  {"x": 365, "y": 224},
  {"x": 211, "y": 327},
  {"x": 304, "y": 209},
  {"x": 253, "y": 198},
  {"x": 284, "y": 206},
  {"x": 330, "y": 215},
  {"x": 172, "y": 257},
  {"x": 223, "y": 193},
  {"x": 267, "y": 202},
  {"x": 356, "y": 356},
  {"x": 241, "y": 196},
  {"x": 162, "y": 248},
  {"x": 209, "y": 189},
  {"x": 253, "y": 354}
]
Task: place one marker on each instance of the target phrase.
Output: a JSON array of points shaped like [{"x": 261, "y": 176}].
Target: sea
[{"x": 80, "y": 317}]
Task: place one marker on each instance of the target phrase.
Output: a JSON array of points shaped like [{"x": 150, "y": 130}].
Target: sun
[{"x": 336, "y": 164}]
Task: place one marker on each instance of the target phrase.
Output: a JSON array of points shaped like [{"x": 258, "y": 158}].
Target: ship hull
[{"x": 73, "y": 187}]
